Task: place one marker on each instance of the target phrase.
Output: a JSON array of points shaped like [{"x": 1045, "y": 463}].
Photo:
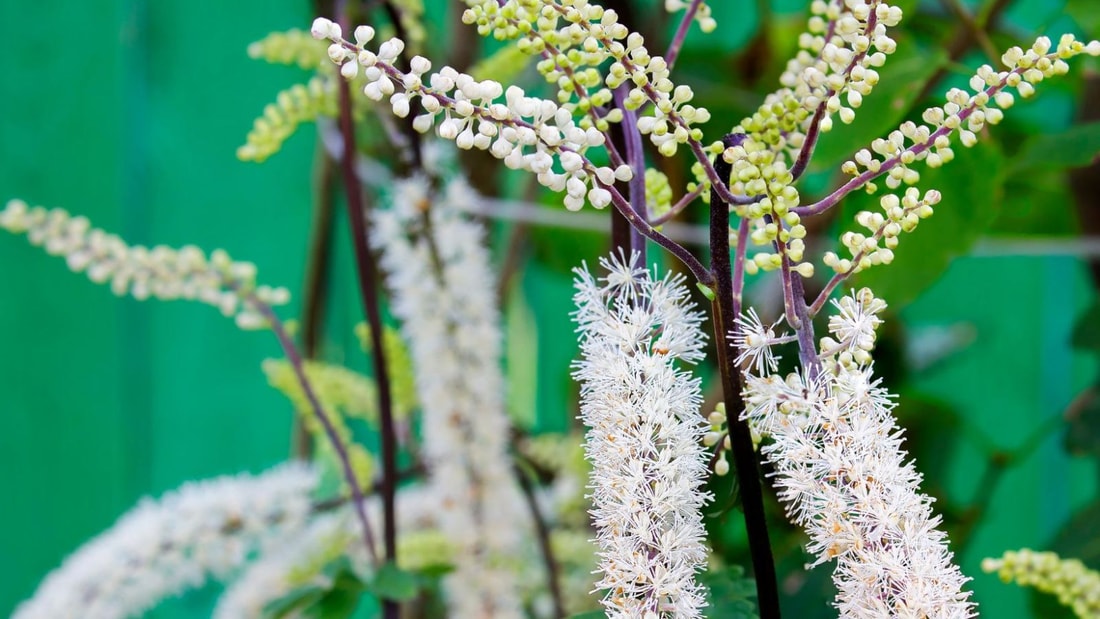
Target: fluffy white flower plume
[
  {"x": 439, "y": 273},
  {"x": 644, "y": 439},
  {"x": 162, "y": 548},
  {"x": 298, "y": 558},
  {"x": 842, "y": 473}
]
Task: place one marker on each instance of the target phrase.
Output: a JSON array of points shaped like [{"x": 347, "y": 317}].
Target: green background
[{"x": 130, "y": 112}]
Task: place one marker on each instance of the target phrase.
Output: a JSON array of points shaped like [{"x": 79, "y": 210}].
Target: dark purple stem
[
  {"x": 295, "y": 359},
  {"x": 744, "y": 456}
]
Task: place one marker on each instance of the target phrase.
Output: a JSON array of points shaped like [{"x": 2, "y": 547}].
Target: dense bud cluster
[
  {"x": 574, "y": 38},
  {"x": 298, "y": 104},
  {"x": 1075, "y": 585},
  {"x": 899, "y": 215},
  {"x": 162, "y": 272}
]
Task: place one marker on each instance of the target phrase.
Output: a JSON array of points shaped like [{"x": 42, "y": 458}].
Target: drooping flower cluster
[
  {"x": 162, "y": 272},
  {"x": 644, "y": 439},
  {"x": 576, "y": 37},
  {"x": 442, "y": 285},
  {"x": 841, "y": 473},
  {"x": 1075, "y": 585},
  {"x": 162, "y": 548},
  {"x": 526, "y": 133}
]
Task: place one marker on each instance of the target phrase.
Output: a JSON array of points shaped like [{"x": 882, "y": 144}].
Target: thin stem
[
  {"x": 681, "y": 33},
  {"x": 869, "y": 175},
  {"x": 680, "y": 205},
  {"x": 542, "y": 533},
  {"x": 697, "y": 269},
  {"x": 808, "y": 143},
  {"x": 635, "y": 158},
  {"x": 368, "y": 280},
  {"x": 295, "y": 359},
  {"x": 317, "y": 279},
  {"x": 744, "y": 456}
]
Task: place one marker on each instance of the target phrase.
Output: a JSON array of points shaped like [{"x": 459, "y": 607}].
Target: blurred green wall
[{"x": 130, "y": 112}]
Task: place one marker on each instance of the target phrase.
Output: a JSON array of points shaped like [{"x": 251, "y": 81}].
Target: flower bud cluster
[
  {"x": 575, "y": 38},
  {"x": 965, "y": 112},
  {"x": 757, "y": 171},
  {"x": 658, "y": 193},
  {"x": 702, "y": 13},
  {"x": 162, "y": 272},
  {"x": 852, "y": 329},
  {"x": 298, "y": 104},
  {"x": 718, "y": 437},
  {"x": 165, "y": 547},
  {"x": 526, "y": 133},
  {"x": 836, "y": 67},
  {"x": 899, "y": 215},
  {"x": 1076, "y": 586}
]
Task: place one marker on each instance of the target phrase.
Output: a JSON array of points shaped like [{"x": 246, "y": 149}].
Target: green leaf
[
  {"x": 1075, "y": 148},
  {"x": 294, "y": 601},
  {"x": 1086, "y": 333},
  {"x": 883, "y": 110},
  {"x": 592, "y": 614},
  {"x": 1083, "y": 435},
  {"x": 730, "y": 592},
  {"x": 1085, "y": 14},
  {"x": 392, "y": 583},
  {"x": 972, "y": 187}
]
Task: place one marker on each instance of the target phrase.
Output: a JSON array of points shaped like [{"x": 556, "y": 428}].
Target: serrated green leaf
[
  {"x": 883, "y": 110},
  {"x": 1074, "y": 148},
  {"x": 972, "y": 187},
  {"x": 393, "y": 583}
]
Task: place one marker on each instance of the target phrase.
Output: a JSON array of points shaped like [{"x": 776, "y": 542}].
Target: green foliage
[
  {"x": 399, "y": 363},
  {"x": 1074, "y": 148},
  {"x": 334, "y": 593},
  {"x": 393, "y": 583},
  {"x": 730, "y": 593},
  {"x": 504, "y": 66}
]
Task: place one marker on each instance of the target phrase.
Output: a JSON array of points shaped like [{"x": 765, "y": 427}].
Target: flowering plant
[{"x": 486, "y": 521}]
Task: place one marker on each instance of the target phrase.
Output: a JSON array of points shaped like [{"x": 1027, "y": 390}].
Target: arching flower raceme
[
  {"x": 443, "y": 293},
  {"x": 161, "y": 548},
  {"x": 644, "y": 439}
]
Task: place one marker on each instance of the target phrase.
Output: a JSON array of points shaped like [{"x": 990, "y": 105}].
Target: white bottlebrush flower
[
  {"x": 205, "y": 529},
  {"x": 644, "y": 439},
  {"x": 842, "y": 474},
  {"x": 443, "y": 292}
]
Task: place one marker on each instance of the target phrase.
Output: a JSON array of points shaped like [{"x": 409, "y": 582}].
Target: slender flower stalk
[
  {"x": 162, "y": 548},
  {"x": 644, "y": 439},
  {"x": 439, "y": 273}
]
